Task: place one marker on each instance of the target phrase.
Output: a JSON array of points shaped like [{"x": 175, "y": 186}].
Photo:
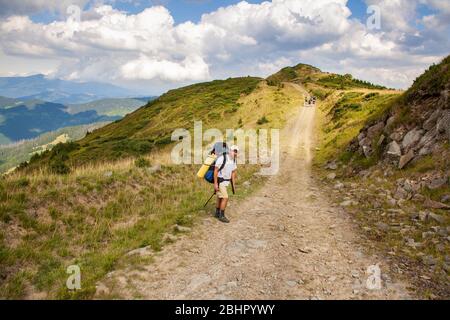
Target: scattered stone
[
  {"x": 429, "y": 260},
  {"x": 145, "y": 251},
  {"x": 332, "y": 166},
  {"x": 391, "y": 201},
  {"x": 291, "y": 283},
  {"x": 435, "y": 205},
  {"x": 382, "y": 226},
  {"x": 181, "y": 228},
  {"x": 437, "y": 218},
  {"x": 414, "y": 216},
  {"x": 405, "y": 159},
  {"x": 419, "y": 198},
  {"x": 423, "y": 216},
  {"x": 331, "y": 176},
  {"x": 304, "y": 250},
  {"x": 348, "y": 203},
  {"x": 246, "y": 184},
  {"x": 396, "y": 136},
  {"x": 401, "y": 194},
  {"x": 339, "y": 186},
  {"x": 428, "y": 234},
  {"x": 442, "y": 232},
  {"x": 355, "y": 274},
  {"x": 413, "y": 244},
  {"x": 437, "y": 183},
  {"x": 445, "y": 198},
  {"x": 169, "y": 237},
  {"x": 284, "y": 244},
  {"x": 394, "y": 149}
]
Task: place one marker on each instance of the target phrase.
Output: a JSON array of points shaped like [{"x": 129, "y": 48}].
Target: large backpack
[
  {"x": 209, "y": 176},
  {"x": 219, "y": 148}
]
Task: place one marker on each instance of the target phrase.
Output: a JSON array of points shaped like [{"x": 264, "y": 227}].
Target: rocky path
[{"x": 284, "y": 242}]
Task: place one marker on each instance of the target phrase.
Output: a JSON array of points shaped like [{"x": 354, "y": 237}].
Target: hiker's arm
[
  {"x": 216, "y": 179},
  {"x": 234, "y": 176}
]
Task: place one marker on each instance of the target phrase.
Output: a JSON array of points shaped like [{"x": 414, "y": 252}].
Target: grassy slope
[
  {"x": 344, "y": 114},
  {"x": 108, "y": 107},
  {"x": 92, "y": 218}
]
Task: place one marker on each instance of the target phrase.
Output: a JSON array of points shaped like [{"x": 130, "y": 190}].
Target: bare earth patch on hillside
[{"x": 287, "y": 241}]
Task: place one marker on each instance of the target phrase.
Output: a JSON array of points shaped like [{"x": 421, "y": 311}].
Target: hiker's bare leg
[
  {"x": 223, "y": 203},
  {"x": 218, "y": 203}
]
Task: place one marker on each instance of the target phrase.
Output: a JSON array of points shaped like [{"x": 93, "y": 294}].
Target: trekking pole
[{"x": 209, "y": 199}]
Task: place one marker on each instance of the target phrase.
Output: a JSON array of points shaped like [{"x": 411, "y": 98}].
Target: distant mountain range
[
  {"x": 59, "y": 91},
  {"x": 30, "y": 106},
  {"x": 26, "y": 119}
]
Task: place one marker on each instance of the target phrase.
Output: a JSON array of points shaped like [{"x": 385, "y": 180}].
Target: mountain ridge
[{"x": 59, "y": 91}]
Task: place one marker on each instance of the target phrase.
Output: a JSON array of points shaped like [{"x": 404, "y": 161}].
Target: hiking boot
[
  {"x": 217, "y": 214},
  {"x": 223, "y": 219}
]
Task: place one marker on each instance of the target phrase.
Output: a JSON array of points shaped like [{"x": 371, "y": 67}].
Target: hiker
[{"x": 223, "y": 176}]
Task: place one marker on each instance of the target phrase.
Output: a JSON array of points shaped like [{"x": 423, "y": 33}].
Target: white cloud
[
  {"x": 191, "y": 68},
  {"x": 241, "y": 39}
]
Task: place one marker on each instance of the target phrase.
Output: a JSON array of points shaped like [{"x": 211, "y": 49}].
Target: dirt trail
[{"x": 284, "y": 242}]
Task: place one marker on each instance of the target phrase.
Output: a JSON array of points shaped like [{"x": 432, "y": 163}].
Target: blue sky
[
  {"x": 139, "y": 44},
  {"x": 186, "y": 10},
  {"x": 192, "y": 10}
]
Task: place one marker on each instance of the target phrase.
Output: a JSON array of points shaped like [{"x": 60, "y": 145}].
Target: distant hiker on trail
[{"x": 224, "y": 174}]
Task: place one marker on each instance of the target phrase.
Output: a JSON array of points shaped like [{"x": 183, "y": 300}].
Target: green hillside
[
  {"x": 150, "y": 127},
  {"x": 299, "y": 73}
]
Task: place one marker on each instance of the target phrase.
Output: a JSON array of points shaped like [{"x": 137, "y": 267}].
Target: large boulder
[
  {"x": 411, "y": 138},
  {"x": 390, "y": 121},
  {"x": 393, "y": 149},
  {"x": 375, "y": 130}
]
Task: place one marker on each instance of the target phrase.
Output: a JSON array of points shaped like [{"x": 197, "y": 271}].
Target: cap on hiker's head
[{"x": 234, "y": 148}]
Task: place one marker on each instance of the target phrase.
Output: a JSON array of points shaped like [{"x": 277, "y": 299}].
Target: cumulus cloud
[
  {"x": 28, "y": 7},
  {"x": 258, "y": 39}
]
